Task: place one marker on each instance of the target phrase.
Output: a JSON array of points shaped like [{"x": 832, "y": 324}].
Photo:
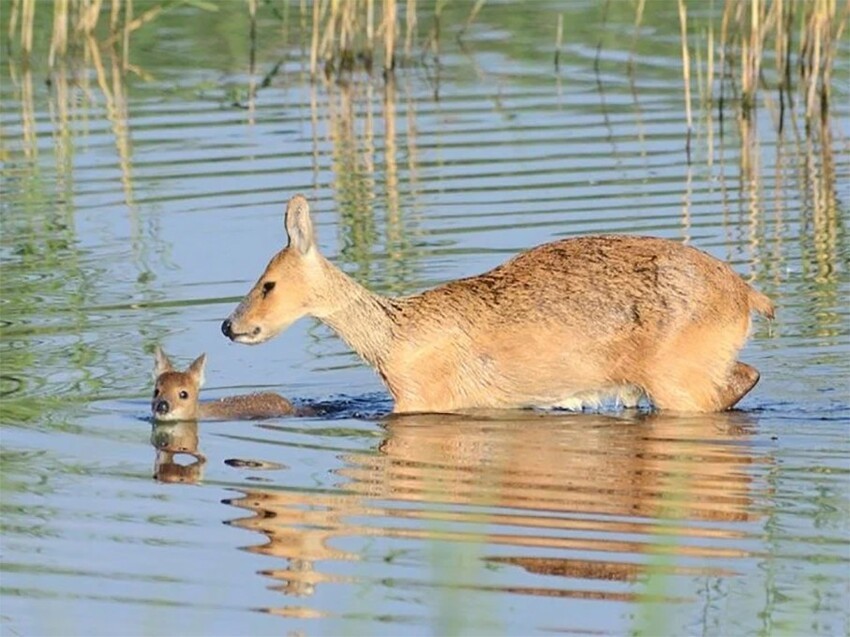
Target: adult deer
[{"x": 566, "y": 324}]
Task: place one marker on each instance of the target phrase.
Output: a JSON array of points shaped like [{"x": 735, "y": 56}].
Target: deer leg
[{"x": 742, "y": 379}]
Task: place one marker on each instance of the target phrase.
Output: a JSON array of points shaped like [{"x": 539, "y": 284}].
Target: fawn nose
[
  {"x": 162, "y": 407},
  {"x": 226, "y": 328}
]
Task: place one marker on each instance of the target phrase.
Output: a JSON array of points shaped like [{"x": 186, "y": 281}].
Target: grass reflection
[
  {"x": 40, "y": 236},
  {"x": 117, "y": 114},
  {"x": 765, "y": 227},
  {"x": 365, "y": 150}
]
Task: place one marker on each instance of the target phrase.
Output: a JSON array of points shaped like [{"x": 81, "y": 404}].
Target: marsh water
[{"x": 139, "y": 206}]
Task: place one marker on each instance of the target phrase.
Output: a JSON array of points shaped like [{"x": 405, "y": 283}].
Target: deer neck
[{"x": 361, "y": 318}]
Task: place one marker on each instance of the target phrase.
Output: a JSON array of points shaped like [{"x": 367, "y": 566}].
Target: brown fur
[
  {"x": 176, "y": 397},
  {"x": 568, "y": 323}
]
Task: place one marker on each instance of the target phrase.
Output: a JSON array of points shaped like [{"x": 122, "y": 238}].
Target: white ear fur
[
  {"x": 299, "y": 226},
  {"x": 162, "y": 364},
  {"x": 196, "y": 369}
]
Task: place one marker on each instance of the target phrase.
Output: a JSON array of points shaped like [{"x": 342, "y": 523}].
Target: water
[{"x": 138, "y": 213}]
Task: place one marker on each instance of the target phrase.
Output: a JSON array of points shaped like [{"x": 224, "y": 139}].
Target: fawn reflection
[
  {"x": 601, "y": 491},
  {"x": 174, "y": 443}
]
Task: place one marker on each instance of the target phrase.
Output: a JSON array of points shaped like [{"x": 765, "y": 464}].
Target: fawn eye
[
  {"x": 184, "y": 394},
  {"x": 156, "y": 392},
  {"x": 268, "y": 286}
]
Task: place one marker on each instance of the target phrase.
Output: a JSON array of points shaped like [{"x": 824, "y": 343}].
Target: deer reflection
[
  {"x": 597, "y": 489},
  {"x": 172, "y": 440},
  {"x": 630, "y": 465},
  {"x": 298, "y": 526}
]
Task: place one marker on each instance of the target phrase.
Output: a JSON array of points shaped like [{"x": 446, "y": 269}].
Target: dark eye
[
  {"x": 184, "y": 394},
  {"x": 156, "y": 392},
  {"x": 268, "y": 286}
]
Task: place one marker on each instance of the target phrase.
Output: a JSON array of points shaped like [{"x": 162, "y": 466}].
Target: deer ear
[
  {"x": 196, "y": 369},
  {"x": 299, "y": 226},
  {"x": 162, "y": 364}
]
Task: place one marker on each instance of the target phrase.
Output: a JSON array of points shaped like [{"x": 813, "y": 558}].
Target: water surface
[{"x": 137, "y": 212}]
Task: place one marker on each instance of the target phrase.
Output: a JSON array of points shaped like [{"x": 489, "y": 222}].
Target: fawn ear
[
  {"x": 299, "y": 226},
  {"x": 162, "y": 363},
  {"x": 196, "y": 369}
]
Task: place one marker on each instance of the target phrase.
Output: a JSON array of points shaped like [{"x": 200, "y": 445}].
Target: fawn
[
  {"x": 176, "y": 397},
  {"x": 565, "y": 324}
]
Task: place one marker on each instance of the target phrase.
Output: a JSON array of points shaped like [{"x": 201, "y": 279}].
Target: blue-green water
[{"x": 138, "y": 211}]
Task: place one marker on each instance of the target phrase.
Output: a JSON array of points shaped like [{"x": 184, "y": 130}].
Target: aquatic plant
[
  {"x": 345, "y": 36},
  {"x": 75, "y": 21},
  {"x": 749, "y": 30}
]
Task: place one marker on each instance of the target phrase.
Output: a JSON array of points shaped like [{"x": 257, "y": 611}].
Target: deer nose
[
  {"x": 162, "y": 407},
  {"x": 226, "y": 328}
]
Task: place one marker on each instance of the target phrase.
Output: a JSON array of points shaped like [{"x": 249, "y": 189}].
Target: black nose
[
  {"x": 226, "y": 328},
  {"x": 162, "y": 407}
]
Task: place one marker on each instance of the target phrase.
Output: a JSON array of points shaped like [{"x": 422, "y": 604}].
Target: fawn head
[
  {"x": 286, "y": 290},
  {"x": 175, "y": 394}
]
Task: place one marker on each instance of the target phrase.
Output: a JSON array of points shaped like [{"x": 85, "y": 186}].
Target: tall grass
[
  {"x": 349, "y": 35},
  {"x": 803, "y": 36},
  {"x": 75, "y": 23},
  {"x": 346, "y": 36}
]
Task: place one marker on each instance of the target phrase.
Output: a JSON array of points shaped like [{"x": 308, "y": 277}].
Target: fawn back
[{"x": 176, "y": 396}]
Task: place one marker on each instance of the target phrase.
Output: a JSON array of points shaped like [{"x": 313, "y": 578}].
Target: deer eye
[
  {"x": 268, "y": 286},
  {"x": 156, "y": 392},
  {"x": 184, "y": 394}
]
